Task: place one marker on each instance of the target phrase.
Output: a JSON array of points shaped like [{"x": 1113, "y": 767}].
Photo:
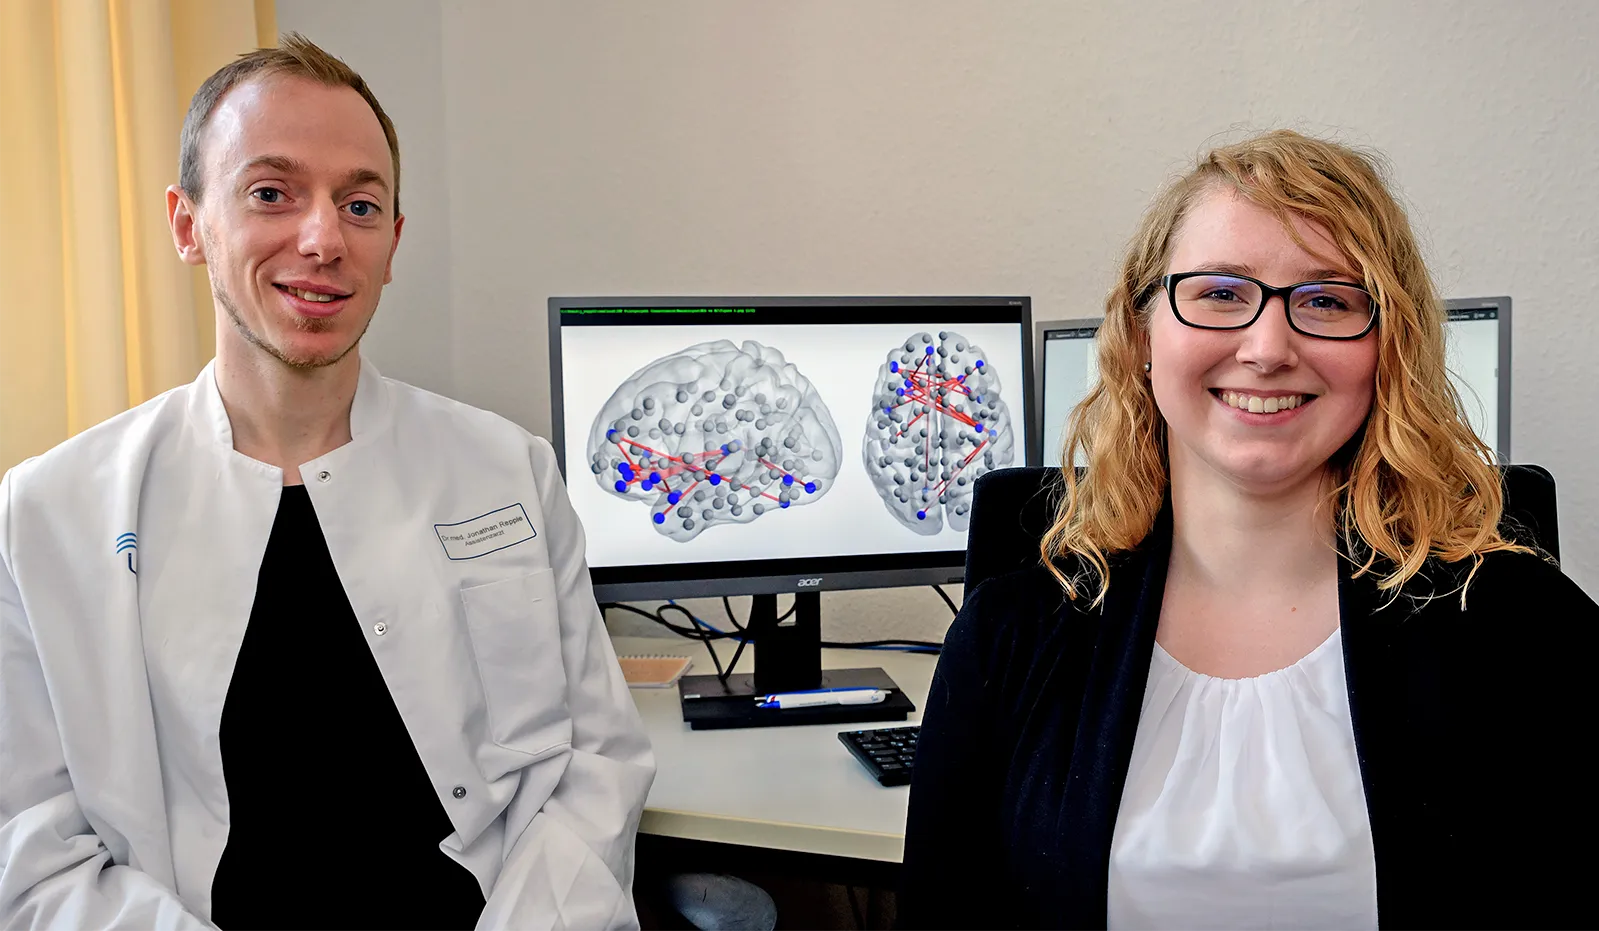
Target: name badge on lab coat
[{"x": 487, "y": 534}]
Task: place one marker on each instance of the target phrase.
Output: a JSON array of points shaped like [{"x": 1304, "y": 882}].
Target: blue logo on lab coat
[{"x": 129, "y": 543}]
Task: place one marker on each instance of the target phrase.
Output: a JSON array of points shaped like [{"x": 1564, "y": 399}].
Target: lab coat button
[
  {"x": 323, "y": 476},
  {"x": 380, "y": 628},
  {"x": 459, "y": 792}
]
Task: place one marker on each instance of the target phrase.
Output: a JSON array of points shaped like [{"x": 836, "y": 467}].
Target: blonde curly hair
[{"x": 1413, "y": 483}]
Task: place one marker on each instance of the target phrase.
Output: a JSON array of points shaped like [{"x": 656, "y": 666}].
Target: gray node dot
[
  {"x": 682, "y": 396},
  {"x": 708, "y": 396},
  {"x": 678, "y": 429},
  {"x": 655, "y": 433},
  {"x": 684, "y": 511},
  {"x": 718, "y": 503},
  {"x": 688, "y": 523},
  {"x": 758, "y": 508},
  {"x": 665, "y": 424},
  {"x": 788, "y": 442},
  {"x": 760, "y": 398},
  {"x": 736, "y": 511},
  {"x": 782, "y": 404},
  {"x": 632, "y": 431},
  {"x": 696, "y": 410},
  {"x": 760, "y": 424},
  {"x": 688, "y": 458},
  {"x": 707, "y": 514},
  {"x": 699, "y": 495},
  {"x": 649, "y": 404},
  {"x": 728, "y": 402},
  {"x": 596, "y": 468}
]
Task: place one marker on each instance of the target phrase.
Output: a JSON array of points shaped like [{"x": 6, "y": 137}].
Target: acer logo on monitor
[{"x": 808, "y": 583}]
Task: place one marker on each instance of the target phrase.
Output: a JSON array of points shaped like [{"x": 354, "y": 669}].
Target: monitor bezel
[
  {"x": 802, "y": 574},
  {"x": 1501, "y": 305}
]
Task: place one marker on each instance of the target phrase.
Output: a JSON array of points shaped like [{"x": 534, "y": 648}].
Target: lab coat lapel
[
  {"x": 1113, "y": 699},
  {"x": 205, "y": 513}
]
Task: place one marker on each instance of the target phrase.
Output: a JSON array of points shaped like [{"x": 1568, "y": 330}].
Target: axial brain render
[
  {"x": 937, "y": 423},
  {"x": 715, "y": 434}
]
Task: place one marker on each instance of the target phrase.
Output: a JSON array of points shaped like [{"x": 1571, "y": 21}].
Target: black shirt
[{"x": 334, "y": 822}]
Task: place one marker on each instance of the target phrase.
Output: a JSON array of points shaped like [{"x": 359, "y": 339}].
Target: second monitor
[{"x": 1477, "y": 335}]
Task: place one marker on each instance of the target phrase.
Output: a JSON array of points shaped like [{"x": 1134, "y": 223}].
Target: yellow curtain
[{"x": 96, "y": 312}]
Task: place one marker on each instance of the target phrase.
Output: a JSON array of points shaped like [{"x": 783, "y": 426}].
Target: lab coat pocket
[{"x": 516, "y": 641}]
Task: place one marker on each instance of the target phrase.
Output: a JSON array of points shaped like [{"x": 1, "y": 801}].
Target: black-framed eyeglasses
[{"x": 1322, "y": 309}]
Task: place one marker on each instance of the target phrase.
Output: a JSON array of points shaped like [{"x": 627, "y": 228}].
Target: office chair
[{"x": 1013, "y": 508}]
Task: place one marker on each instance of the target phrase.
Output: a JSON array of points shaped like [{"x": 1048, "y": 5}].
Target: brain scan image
[
  {"x": 937, "y": 423},
  {"x": 715, "y": 434}
]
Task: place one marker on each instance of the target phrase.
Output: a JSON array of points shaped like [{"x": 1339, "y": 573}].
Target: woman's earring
[{"x": 1146, "y": 368}]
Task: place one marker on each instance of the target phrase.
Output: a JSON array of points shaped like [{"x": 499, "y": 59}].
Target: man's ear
[
  {"x": 181, "y": 217},
  {"x": 388, "y": 269}
]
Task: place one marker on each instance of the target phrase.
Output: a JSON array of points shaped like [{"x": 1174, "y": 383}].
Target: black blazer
[{"x": 1472, "y": 730}]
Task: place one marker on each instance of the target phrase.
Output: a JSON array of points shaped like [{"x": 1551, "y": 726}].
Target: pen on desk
[{"x": 819, "y": 697}]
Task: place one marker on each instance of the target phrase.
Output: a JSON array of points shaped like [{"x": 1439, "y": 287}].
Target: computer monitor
[
  {"x": 1477, "y": 340},
  {"x": 1068, "y": 366},
  {"x": 756, "y": 446},
  {"x": 1478, "y": 353}
]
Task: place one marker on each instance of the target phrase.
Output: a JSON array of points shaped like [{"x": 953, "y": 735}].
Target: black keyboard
[{"x": 886, "y": 752}]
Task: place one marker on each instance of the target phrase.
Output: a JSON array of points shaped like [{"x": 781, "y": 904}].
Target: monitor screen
[
  {"x": 719, "y": 446},
  {"x": 1477, "y": 337},
  {"x": 1478, "y": 353},
  {"x": 1070, "y": 366}
]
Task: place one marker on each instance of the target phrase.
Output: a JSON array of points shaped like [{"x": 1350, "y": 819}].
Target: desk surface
[{"x": 785, "y": 788}]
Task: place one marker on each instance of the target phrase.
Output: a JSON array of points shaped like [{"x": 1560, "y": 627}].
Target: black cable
[
  {"x": 947, "y": 600},
  {"x": 705, "y": 637},
  {"x": 727, "y": 605},
  {"x": 696, "y": 633}
]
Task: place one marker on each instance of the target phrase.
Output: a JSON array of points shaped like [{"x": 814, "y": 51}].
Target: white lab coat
[{"x": 115, "y": 659}]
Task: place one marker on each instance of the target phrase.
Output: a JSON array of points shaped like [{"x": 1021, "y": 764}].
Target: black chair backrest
[{"x": 1012, "y": 509}]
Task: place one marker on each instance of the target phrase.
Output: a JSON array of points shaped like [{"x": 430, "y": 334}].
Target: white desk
[{"x": 783, "y": 788}]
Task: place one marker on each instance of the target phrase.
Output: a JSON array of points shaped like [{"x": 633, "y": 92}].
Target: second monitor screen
[{"x": 704, "y": 434}]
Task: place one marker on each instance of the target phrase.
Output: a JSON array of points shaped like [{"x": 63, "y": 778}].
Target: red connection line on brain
[
  {"x": 923, "y": 386},
  {"x": 657, "y": 468}
]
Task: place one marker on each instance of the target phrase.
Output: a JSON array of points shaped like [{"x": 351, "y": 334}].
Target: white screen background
[{"x": 842, "y": 362}]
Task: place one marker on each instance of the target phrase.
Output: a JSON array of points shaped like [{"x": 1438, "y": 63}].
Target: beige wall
[{"x": 842, "y": 146}]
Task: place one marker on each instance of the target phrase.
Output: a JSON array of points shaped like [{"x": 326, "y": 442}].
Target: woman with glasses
[{"x": 1279, "y": 665}]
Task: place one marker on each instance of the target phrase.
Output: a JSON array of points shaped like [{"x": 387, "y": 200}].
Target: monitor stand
[{"x": 788, "y": 658}]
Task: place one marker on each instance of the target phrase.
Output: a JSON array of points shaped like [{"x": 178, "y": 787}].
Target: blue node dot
[
  {"x": 978, "y": 428},
  {"x": 611, "y": 435},
  {"x": 660, "y": 518},
  {"x": 655, "y": 476},
  {"x": 888, "y": 410},
  {"x": 909, "y": 383},
  {"x": 788, "y": 479},
  {"x": 725, "y": 450},
  {"x": 892, "y": 367},
  {"x": 921, "y": 515},
  {"x": 674, "y": 497},
  {"x": 621, "y": 486},
  {"x": 900, "y": 392},
  {"x": 960, "y": 377},
  {"x": 810, "y": 488},
  {"x": 782, "y": 504},
  {"x": 978, "y": 363},
  {"x": 716, "y": 479},
  {"x": 929, "y": 350}
]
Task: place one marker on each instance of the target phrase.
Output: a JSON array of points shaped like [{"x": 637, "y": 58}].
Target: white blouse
[{"x": 1243, "y": 806}]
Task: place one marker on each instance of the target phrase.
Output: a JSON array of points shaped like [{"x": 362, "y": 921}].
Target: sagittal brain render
[
  {"x": 715, "y": 434},
  {"x": 937, "y": 423}
]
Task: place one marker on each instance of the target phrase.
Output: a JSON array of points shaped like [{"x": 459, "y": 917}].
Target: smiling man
[{"x": 297, "y": 645}]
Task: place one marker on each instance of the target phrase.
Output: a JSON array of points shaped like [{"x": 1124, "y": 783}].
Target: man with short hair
[{"x": 297, "y": 645}]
